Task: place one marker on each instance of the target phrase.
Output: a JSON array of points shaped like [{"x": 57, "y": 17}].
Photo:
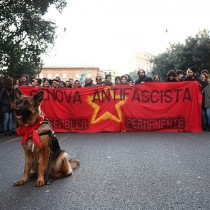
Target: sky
[{"x": 108, "y": 33}]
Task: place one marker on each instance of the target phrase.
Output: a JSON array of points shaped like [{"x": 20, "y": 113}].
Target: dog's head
[{"x": 28, "y": 107}]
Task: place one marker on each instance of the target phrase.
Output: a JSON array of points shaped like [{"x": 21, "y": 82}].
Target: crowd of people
[{"x": 7, "y": 86}]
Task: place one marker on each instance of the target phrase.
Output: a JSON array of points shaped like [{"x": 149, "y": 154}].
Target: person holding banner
[
  {"x": 55, "y": 83},
  {"x": 107, "y": 81},
  {"x": 77, "y": 84},
  {"x": 117, "y": 80},
  {"x": 142, "y": 77},
  {"x": 131, "y": 82},
  {"x": 99, "y": 80},
  {"x": 180, "y": 75},
  {"x": 123, "y": 80},
  {"x": 156, "y": 78},
  {"x": 191, "y": 74},
  {"x": 172, "y": 76},
  {"x": 70, "y": 83},
  {"x": 46, "y": 83},
  {"x": 24, "y": 81},
  {"x": 88, "y": 82}
]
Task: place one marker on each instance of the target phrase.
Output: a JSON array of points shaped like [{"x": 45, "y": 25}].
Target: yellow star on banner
[{"x": 113, "y": 107}]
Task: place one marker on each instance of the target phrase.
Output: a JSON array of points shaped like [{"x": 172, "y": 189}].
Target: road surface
[{"x": 118, "y": 171}]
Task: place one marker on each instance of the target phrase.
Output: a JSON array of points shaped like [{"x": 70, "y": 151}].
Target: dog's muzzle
[{"x": 21, "y": 114}]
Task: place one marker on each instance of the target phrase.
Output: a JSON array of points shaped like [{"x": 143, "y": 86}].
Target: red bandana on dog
[{"x": 25, "y": 131}]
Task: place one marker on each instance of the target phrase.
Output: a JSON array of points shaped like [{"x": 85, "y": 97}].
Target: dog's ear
[
  {"x": 38, "y": 98},
  {"x": 18, "y": 93}
]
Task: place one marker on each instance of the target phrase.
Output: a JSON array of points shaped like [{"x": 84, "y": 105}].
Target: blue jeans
[
  {"x": 204, "y": 117},
  {"x": 208, "y": 115},
  {"x": 8, "y": 121}
]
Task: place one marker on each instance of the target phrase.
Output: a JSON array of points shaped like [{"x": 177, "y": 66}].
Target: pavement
[{"x": 118, "y": 171}]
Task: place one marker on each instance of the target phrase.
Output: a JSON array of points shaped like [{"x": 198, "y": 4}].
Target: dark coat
[
  {"x": 143, "y": 79},
  {"x": 4, "y": 99},
  {"x": 89, "y": 85},
  {"x": 191, "y": 79}
]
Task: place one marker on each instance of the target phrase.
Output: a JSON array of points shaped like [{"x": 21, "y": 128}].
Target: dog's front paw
[
  {"x": 19, "y": 182},
  {"x": 40, "y": 182},
  {"x": 58, "y": 175}
]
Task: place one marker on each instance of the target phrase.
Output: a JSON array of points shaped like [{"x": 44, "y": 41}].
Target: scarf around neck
[{"x": 26, "y": 130}]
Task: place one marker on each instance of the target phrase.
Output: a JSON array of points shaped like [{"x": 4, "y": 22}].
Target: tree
[
  {"x": 194, "y": 52},
  {"x": 25, "y": 34},
  {"x": 134, "y": 75}
]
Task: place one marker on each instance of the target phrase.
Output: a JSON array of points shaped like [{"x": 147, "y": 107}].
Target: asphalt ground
[{"x": 119, "y": 171}]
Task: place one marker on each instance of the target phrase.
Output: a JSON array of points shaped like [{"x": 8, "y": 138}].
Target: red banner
[{"x": 163, "y": 106}]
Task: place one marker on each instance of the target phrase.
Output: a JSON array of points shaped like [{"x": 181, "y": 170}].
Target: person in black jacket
[
  {"x": 88, "y": 82},
  {"x": 191, "y": 74},
  {"x": 6, "y": 96},
  {"x": 142, "y": 77}
]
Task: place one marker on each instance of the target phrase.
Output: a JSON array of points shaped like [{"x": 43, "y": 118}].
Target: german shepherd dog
[{"x": 43, "y": 157}]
